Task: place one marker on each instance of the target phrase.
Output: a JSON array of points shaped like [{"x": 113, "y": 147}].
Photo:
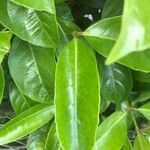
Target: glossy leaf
[
  {"x": 134, "y": 37},
  {"x": 145, "y": 110},
  {"x": 102, "y": 37},
  {"x": 18, "y": 100},
  {"x": 117, "y": 83},
  {"x": 2, "y": 83},
  {"x": 5, "y": 37},
  {"x": 33, "y": 70},
  {"x": 52, "y": 142},
  {"x": 39, "y": 28},
  {"x": 77, "y": 97},
  {"x": 46, "y": 5},
  {"x": 112, "y": 8},
  {"x": 141, "y": 143},
  {"x": 103, "y": 34},
  {"x": 36, "y": 140},
  {"x": 112, "y": 132},
  {"x": 26, "y": 123}
]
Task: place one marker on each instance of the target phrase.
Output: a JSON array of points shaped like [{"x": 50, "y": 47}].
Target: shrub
[{"x": 77, "y": 74}]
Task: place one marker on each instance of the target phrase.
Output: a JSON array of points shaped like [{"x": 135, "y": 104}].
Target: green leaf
[
  {"x": 2, "y": 83},
  {"x": 117, "y": 83},
  {"x": 18, "y": 100},
  {"x": 112, "y": 8},
  {"x": 44, "y": 5},
  {"x": 52, "y": 142},
  {"x": 102, "y": 37},
  {"x": 141, "y": 76},
  {"x": 134, "y": 38},
  {"x": 39, "y": 28},
  {"x": 103, "y": 34},
  {"x": 127, "y": 145},
  {"x": 143, "y": 96},
  {"x": 33, "y": 70},
  {"x": 5, "y": 37},
  {"x": 112, "y": 132},
  {"x": 141, "y": 143},
  {"x": 36, "y": 140},
  {"x": 77, "y": 97},
  {"x": 145, "y": 110},
  {"x": 26, "y": 123}
]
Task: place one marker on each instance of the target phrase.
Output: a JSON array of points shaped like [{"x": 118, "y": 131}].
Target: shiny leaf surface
[
  {"x": 102, "y": 37},
  {"x": 26, "y": 123},
  {"x": 46, "y": 5},
  {"x": 117, "y": 83},
  {"x": 77, "y": 97},
  {"x": 39, "y": 28},
  {"x": 33, "y": 70},
  {"x": 134, "y": 37},
  {"x": 18, "y": 100},
  {"x": 112, "y": 132},
  {"x": 36, "y": 140}
]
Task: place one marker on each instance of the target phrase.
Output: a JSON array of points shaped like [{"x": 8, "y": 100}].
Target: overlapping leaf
[
  {"x": 18, "y": 100},
  {"x": 145, "y": 110},
  {"x": 77, "y": 97},
  {"x": 102, "y": 37},
  {"x": 26, "y": 123},
  {"x": 39, "y": 28},
  {"x": 117, "y": 83},
  {"x": 141, "y": 143},
  {"x": 33, "y": 70},
  {"x": 112, "y": 8},
  {"x": 44, "y": 138},
  {"x": 46, "y": 5},
  {"x": 112, "y": 132},
  {"x": 133, "y": 43}
]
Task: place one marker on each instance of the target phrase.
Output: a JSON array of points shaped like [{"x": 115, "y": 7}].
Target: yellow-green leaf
[{"x": 77, "y": 97}]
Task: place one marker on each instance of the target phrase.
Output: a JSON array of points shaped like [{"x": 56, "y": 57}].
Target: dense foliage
[{"x": 74, "y": 74}]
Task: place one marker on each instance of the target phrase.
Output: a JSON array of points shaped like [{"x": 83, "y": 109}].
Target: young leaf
[
  {"x": 117, "y": 83},
  {"x": 112, "y": 132},
  {"x": 18, "y": 100},
  {"x": 2, "y": 83},
  {"x": 39, "y": 28},
  {"x": 46, "y": 5},
  {"x": 141, "y": 143},
  {"x": 77, "y": 97},
  {"x": 134, "y": 36},
  {"x": 5, "y": 37},
  {"x": 26, "y": 123},
  {"x": 33, "y": 70},
  {"x": 145, "y": 110}
]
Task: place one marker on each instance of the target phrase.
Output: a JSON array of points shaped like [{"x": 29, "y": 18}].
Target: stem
[{"x": 135, "y": 123}]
